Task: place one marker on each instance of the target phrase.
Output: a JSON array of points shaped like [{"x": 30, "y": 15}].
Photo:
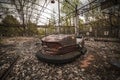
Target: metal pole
[
  {"x": 59, "y": 16},
  {"x": 76, "y": 22},
  {"x": 45, "y": 31}
]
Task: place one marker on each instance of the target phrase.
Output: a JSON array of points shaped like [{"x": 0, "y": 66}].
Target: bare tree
[{"x": 22, "y": 7}]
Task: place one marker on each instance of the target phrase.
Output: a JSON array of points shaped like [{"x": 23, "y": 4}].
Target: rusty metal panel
[
  {"x": 61, "y": 39},
  {"x": 59, "y": 44}
]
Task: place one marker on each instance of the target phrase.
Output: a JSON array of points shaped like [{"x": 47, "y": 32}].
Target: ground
[{"x": 94, "y": 65}]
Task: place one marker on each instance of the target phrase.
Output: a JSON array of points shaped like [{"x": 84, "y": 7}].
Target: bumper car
[{"x": 60, "y": 49}]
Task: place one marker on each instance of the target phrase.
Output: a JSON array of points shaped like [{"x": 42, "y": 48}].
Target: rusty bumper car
[{"x": 60, "y": 49}]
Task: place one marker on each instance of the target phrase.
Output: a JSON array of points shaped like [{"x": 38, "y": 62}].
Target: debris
[{"x": 28, "y": 67}]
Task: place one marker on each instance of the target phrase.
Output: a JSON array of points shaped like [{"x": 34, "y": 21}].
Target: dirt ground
[{"x": 94, "y": 65}]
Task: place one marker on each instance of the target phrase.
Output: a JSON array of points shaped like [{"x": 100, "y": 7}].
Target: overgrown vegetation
[
  {"x": 10, "y": 26},
  {"x": 67, "y": 8}
]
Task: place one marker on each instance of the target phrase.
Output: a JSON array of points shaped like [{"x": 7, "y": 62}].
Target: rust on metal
[{"x": 59, "y": 44}]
